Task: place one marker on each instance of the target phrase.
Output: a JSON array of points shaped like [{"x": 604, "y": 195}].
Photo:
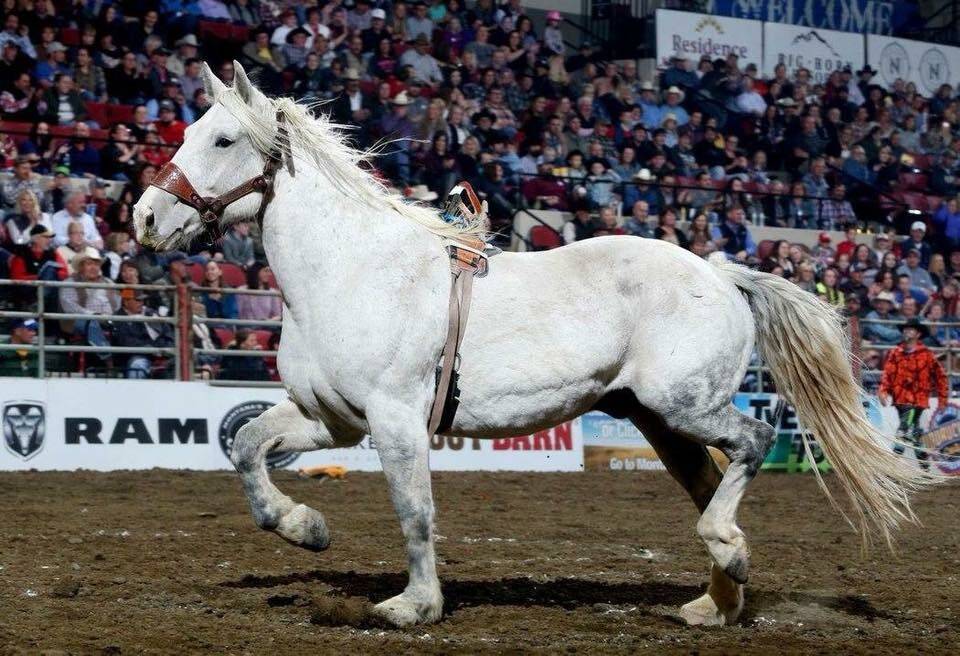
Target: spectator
[
  {"x": 237, "y": 245},
  {"x": 63, "y": 102},
  {"x": 836, "y": 213},
  {"x": 667, "y": 229},
  {"x": 878, "y": 326},
  {"x": 76, "y": 244},
  {"x": 947, "y": 218},
  {"x": 608, "y": 223},
  {"x": 88, "y": 301},
  {"x": 20, "y": 362},
  {"x": 638, "y": 224},
  {"x": 733, "y": 237},
  {"x": 244, "y": 367},
  {"x": 24, "y": 179},
  {"x": 943, "y": 180},
  {"x": 139, "y": 334},
  {"x": 82, "y": 158},
  {"x": 918, "y": 230},
  {"x": 219, "y": 305},
  {"x": 828, "y": 290},
  {"x": 37, "y": 260},
  {"x": 73, "y": 210},
  {"x": 424, "y": 67},
  {"x": 27, "y": 216},
  {"x": 419, "y": 26},
  {"x": 397, "y": 128},
  {"x": 581, "y": 227},
  {"x": 260, "y": 307},
  {"x": 919, "y": 277}
]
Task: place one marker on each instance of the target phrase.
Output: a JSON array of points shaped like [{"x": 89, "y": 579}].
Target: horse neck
[{"x": 311, "y": 227}]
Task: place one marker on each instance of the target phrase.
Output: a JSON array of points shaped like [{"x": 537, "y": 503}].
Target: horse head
[{"x": 217, "y": 176}]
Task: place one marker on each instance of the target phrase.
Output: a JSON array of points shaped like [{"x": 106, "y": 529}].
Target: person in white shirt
[
  {"x": 425, "y": 67},
  {"x": 749, "y": 101},
  {"x": 73, "y": 210},
  {"x": 288, "y": 22}
]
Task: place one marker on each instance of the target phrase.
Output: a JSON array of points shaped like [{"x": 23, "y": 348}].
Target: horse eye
[{"x": 223, "y": 142}]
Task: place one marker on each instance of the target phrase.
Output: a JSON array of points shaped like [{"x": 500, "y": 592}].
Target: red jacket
[{"x": 909, "y": 377}]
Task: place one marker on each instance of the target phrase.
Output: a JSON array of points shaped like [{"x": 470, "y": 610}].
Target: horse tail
[{"x": 804, "y": 342}]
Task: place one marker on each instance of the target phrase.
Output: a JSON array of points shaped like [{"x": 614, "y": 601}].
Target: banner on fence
[
  {"x": 106, "y": 425},
  {"x": 863, "y": 16},
  {"x": 927, "y": 65},
  {"x": 819, "y": 50},
  {"x": 694, "y": 35}
]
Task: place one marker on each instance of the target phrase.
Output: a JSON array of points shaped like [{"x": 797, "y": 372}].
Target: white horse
[{"x": 637, "y": 328}]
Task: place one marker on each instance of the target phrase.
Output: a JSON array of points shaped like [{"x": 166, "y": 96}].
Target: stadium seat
[
  {"x": 543, "y": 238},
  {"x": 215, "y": 30},
  {"x": 915, "y": 201},
  {"x": 263, "y": 337},
  {"x": 225, "y": 335},
  {"x": 98, "y": 112},
  {"x": 914, "y": 181},
  {"x": 120, "y": 113},
  {"x": 69, "y": 36},
  {"x": 196, "y": 273},
  {"x": 233, "y": 275}
]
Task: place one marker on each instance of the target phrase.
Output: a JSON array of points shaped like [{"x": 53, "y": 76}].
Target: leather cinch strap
[
  {"x": 171, "y": 179},
  {"x": 465, "y": 264}
]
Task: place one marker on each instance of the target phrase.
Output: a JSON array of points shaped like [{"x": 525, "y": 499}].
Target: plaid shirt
[
  {"x": 836, "y": 214},
  {"x": 517, "y": 99}
]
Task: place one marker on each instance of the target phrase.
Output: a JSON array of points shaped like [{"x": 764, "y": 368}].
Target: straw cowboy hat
[
  {"x": 351, "y": 74},
  {"x": 188, "y": 40},
  {"x": 401, "y": 99},
  {"x": 669, "y": 116},
  {"x": 422, "y": 193},
  {"x": 886, "y": 296},
  {"x": 644, "y": 175},
  {"x": 677, "y": 90},
  {"x": 647, "y": 85},
  {"x": 88, "y": 253}
]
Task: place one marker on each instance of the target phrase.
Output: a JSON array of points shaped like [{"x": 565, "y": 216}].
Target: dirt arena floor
[{"x": 161, "y": 562}]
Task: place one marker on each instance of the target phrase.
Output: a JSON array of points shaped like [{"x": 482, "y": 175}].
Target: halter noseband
[{"x": 171, "y": 179}]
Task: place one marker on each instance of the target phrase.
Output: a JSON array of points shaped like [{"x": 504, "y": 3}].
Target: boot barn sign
[{"x": 863, "y": 16}]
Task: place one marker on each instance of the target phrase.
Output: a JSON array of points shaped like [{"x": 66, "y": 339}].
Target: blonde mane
[{"x": 322, "y": 142}]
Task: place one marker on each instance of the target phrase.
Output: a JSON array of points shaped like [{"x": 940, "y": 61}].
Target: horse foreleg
[
  {"x": 285, "y": 428},
  {"x": 404, "y": 453}
]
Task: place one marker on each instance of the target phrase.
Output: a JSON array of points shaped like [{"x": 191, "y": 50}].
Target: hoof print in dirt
[
  {"x": 345, "y": 611},
  {"x": 280, "y": 600},
  {"x": 66, "y": 590}
]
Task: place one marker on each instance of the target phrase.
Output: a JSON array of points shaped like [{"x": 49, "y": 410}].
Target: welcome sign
[
  {"x": 694, "y": 35},
  {"x": 863, "y": 16}
]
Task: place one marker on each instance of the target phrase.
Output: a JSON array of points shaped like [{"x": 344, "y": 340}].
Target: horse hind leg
[
  {"x": 283, "y": 428},
  {"x": 691, "y": 465}
]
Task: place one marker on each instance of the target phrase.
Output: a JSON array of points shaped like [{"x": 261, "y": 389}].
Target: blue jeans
[
  {"x": 138, "y": 366},
  {"x": 91, "y": 330}
]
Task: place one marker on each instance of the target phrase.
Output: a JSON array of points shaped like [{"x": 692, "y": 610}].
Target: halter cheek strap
[{"x": 171, "y": 179}]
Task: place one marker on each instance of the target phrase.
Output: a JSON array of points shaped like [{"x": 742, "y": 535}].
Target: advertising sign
[
  {"x": 927, "y": 65},
  {"x": 863, "y": 16},
  {"x": 821, "y": 51},
  {"x": 68, "y": 424},
  {"x": 694, "y": 35}
]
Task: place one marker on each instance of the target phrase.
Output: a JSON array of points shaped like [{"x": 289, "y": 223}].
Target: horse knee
[{"x": 245, "y": 450}]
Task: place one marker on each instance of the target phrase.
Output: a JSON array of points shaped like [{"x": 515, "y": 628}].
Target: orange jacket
[{"x": 909, "y": 377}]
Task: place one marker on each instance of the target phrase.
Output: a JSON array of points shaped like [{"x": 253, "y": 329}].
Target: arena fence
[
  {"x": 192, "y": 360},
  {"x": 187, "y": 364}
]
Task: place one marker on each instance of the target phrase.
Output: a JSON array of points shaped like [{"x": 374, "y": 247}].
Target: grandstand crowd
[{"x": 94, "y": 97}]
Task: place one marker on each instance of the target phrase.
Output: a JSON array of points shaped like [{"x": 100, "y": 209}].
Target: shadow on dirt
[{"x": 566, "y": 593}]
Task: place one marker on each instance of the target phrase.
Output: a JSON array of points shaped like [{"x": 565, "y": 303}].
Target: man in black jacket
[{"x": 139, "y": 333}]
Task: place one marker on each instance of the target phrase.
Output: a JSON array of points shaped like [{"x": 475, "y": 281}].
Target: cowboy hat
[
  {"x": 646, "y": 86},
  {"x": 787, "y": 102},
  {"x": 644, "y": 175},
  {"x": 916, "y": 325},
  {"x": 378, "y": 13},
  {"x": 88, "y": 253},
  {"x": 867, "y": 69},
  {"x": 886, "y": 296},
  {"x": 351, "y": 74},
  {"x": 669, "y": 116},
  {"x": 294, "y": 32},
  {"x": 401, "y": 99},
  {"x": 677, "y": 90},
  {"x": 422, "y": 193},
  {"x": 188, "y": 40}
]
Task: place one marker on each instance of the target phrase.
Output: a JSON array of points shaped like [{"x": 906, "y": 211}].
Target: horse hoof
[
  {"x": 732, "y": 556},
  {"x": 404, "y": 610},
  {"x": 304, "y": 527},
  {"x": 704, "y": 612}
]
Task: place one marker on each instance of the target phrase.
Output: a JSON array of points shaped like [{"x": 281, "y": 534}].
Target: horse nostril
[{"x": 150, "y": 220}]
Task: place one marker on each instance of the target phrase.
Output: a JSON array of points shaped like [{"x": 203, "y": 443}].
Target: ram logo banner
[{"x": 24, "y": 427}]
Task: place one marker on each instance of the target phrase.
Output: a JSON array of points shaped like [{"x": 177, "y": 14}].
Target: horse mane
[{"x": 322, "y": 142}]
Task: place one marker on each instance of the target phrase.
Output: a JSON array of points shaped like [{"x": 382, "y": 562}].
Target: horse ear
[
  {"x": 241, "y": 83},
  {"x": 212, "y": 85}
]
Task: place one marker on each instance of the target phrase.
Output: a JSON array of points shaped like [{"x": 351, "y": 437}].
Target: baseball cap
[
  {"x": 825, "y": 238},
  {"x": 167, "y": 104},
  {"x": 918, "y": 225},
  {"x": 29, "y": 324},
  {"x": 378, "y": 13},
  {"x": 61, "y": 170}
]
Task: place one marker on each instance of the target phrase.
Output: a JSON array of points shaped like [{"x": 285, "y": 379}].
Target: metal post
[
  {"x": 184, "y": 315},
  {"x": 41, "y": 333}
]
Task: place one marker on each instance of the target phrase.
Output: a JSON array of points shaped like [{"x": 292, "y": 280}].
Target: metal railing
[{"x": 181, "y": 319}]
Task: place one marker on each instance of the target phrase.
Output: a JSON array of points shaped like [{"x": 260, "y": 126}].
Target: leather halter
[{"x": 171, "y": 179}]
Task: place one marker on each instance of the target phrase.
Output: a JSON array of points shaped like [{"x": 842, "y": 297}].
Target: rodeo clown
[{"x": 907, "y": 382}]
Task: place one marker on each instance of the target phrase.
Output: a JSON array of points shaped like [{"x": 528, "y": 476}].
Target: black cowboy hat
[
  {"x": 296, "y": 31},
  {"x": 914, "y": 323},
  {"x": 867, "y": 69}
]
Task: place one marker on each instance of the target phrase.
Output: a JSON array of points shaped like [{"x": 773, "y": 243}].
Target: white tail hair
[{"x": 804, "y": 342}]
